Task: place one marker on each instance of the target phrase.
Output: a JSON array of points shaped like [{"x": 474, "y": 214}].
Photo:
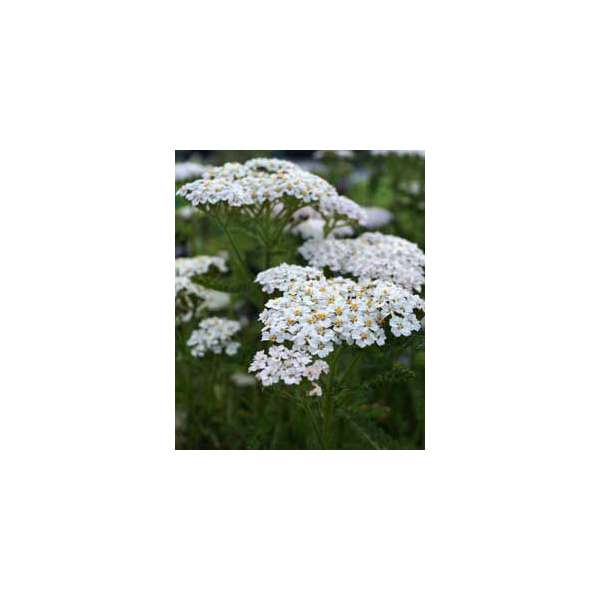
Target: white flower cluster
[
  {"x": 284, "y": 276},
  {"x": 314, "y": 229},
  {"x": 314, "y": 314},
  {"x": 189, "y": 170},
  {"x": 199, "y": 265},
  {"x": 289, "y": 366},
  {"x": 255, "y": 182},
  {"x": 370, "y": 256},
  {"x": 376, "y": 217},
  {"x": 341, "y": 206},
  {"x": 330, "y": 211},
  {"x": 191, "y": 298},
  {"x": 214, "y": 335}
]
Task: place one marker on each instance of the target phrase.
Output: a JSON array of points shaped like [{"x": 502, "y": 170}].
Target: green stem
[
  {"x": 328, "y": 405},
  {"x": 234, "y": 247}
]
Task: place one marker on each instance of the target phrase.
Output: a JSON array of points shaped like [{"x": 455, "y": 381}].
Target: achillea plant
[{"x": 271, "y": 354}]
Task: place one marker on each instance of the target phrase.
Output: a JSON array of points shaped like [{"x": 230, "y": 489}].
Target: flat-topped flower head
[
  {"x": 314, "y": 229},
  {"x": 189, "y": 170},
  {"x": 282, "y": 364},
  {"x": 285, "y": 276},
  {"x": 370, "y": 256},
  {"x": 340, "y": 206},
  {"x": 376, "y": 217},
  {"x": 255, "y": 182},
  {"x": 191, "y": 299},
  {"x": 214, "y": 335},
  {"x": 315, "y": 314},
  {"x": 199, "y": 265}
]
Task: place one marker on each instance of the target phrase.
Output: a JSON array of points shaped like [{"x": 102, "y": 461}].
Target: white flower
[
  {"x": 283, "y": 364},
  {"x": 214, "y": 335},
  {"x": 189, "y": 170},
  {"x": 191, "y": 299},
  {"x": 315, "y": 390},
  {"x": 284, "y": 275},
  {"x": 313, "y": 229},
  {"x": 199, "y": 265},
  {"x": 376, "y": 217},
  {"x": 370, "y": 256},
  {"x": 314, "y": 314},
  {"x": 255, "y": 182},
  {"x": 341, "y": 206}
]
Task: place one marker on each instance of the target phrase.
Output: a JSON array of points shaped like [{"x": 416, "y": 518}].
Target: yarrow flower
[
  {"x": 370, "y": 256},
  {"x": 314, "y": 314},
  {"x": 191, "y": 299},
  {"x": 283, "y": 276},
  {"x": 288, "y": 366},
  {"x": 376, "y": 217},
  {"x": 341, "y": 206},
  {"x": 331, "y": 218},
  {"x": 314, "y": 229},
  {"x": 199, "y": 265},
  {"x": 189, "y": 170},
  {"x": 255, "y": 182},
  {"x": 214, "y": 335}
]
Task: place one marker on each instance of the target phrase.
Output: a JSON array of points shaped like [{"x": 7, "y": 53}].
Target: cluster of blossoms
[
  {"x": 332, "y": 217},
  {"x": 376, "y": 217},
  {"x": 314, "y": 229},
  {"x": 199, "y": 265},
  {"x": 191, "y": 298},
  {"x": 370, "y": 256},
  {"x": 288, "y": 366},
  {"x": 255, "y": 182},
  {"x": 314, "y": 314},
  {"x": 189, "y": 170},
  {"x": 214, "y": 335}
]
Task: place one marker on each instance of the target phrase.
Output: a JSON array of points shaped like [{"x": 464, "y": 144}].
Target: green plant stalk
[
  {"x": 234, "y": 247},
  {"x": 328, "y": 405}
]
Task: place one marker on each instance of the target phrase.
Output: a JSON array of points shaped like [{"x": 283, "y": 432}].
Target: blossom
[
  {"x": 314, "y": 314},
  {"x": 282, "y": 276},
  {"x": 189, "y": 170},
  {"x": 199, "y": 265},
  {"x": 214, "y": 335},
  {"x": 341, "y": 206},
  {"x": 191, "y": 299},
  {"x": 314, "y": 229},
  {"x": 370, "y": 256},
  {"x": 287, "y": 365},
  {"x": 376, "y": 217},
  {"x": 255, "y": 182}
]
